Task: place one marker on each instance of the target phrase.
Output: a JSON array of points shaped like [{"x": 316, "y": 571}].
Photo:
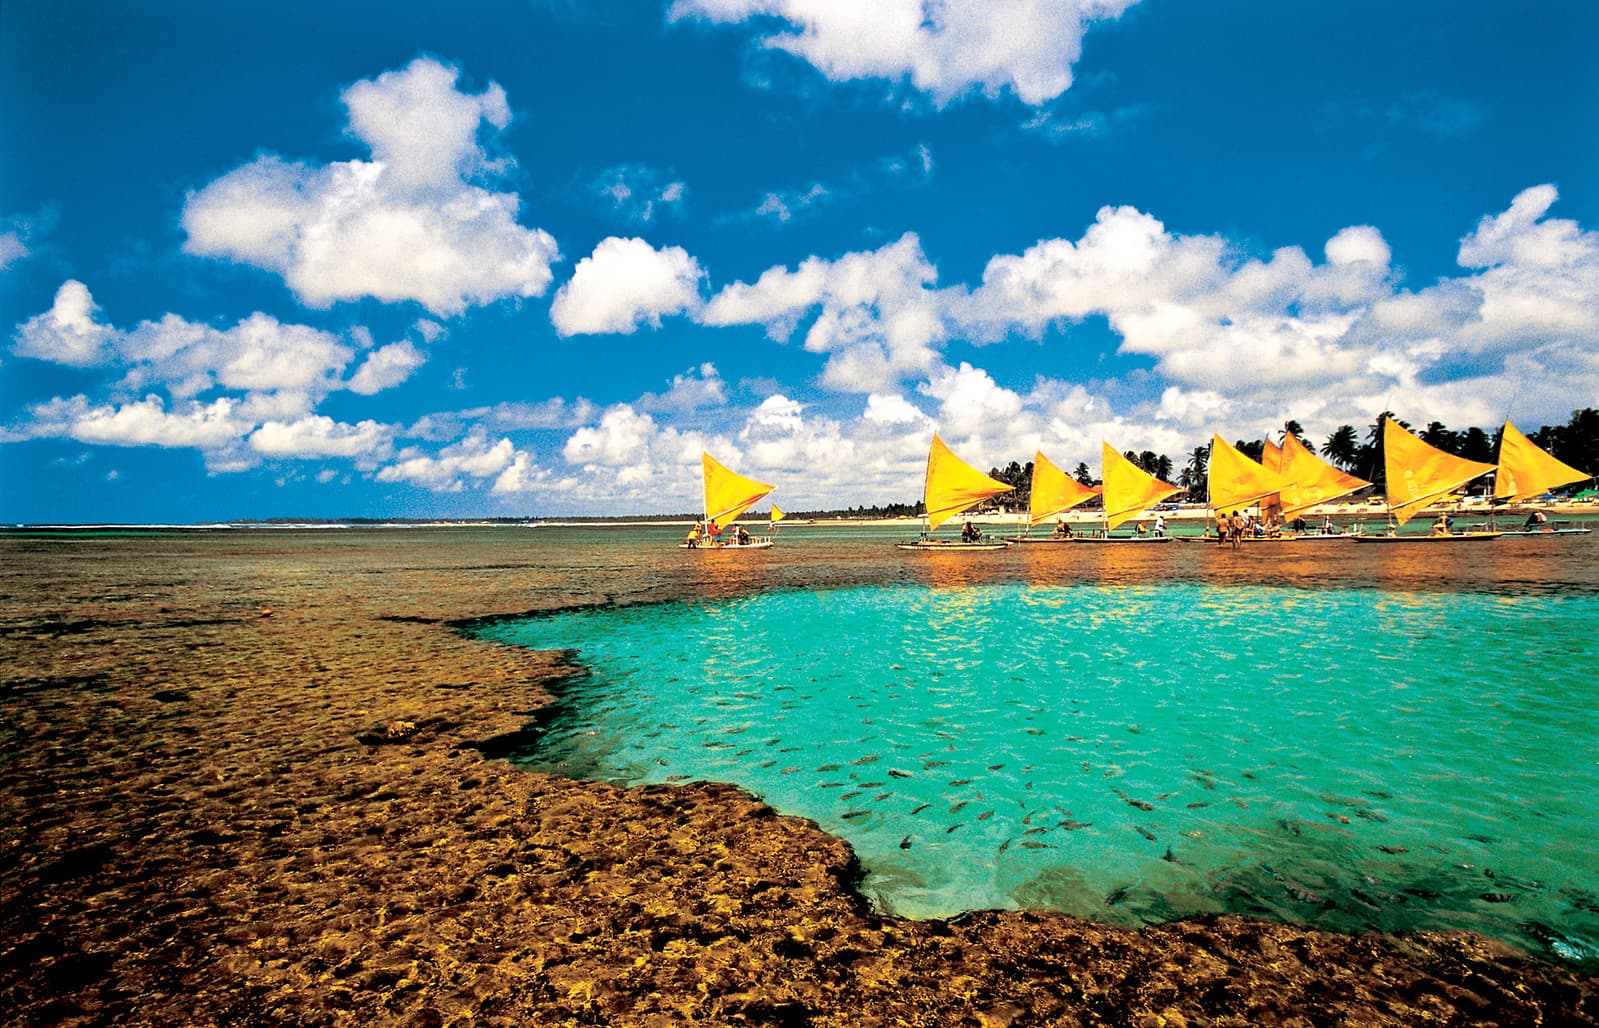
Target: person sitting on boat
[
  {"x": 1160, "y": 524},
  {"x": 1441, "y": 526},
  {"x": 1062, "y": 530},
  {"x": 1143, "y": 529},
  {"x": 970, "y": 533},
  {"x": 742, "y": 536},
  {"x": 1535, "y": 521}
]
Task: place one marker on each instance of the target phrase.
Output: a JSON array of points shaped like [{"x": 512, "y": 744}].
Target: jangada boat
[
  {"x": 1525, "y": 471},
  {"x": 1312, "y": 481},
  {"x": 952, "y": 486},
  {"x": 1054, "y": 492},
  {"x": 727, "y": 495},
  {"x": 1417, "y": 474},
  {"x": 1129, "y": 491}
]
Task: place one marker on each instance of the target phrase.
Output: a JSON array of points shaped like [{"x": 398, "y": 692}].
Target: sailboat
[
  {"x": 1312, "y": 481},
  {"x": 952, "y": 486},
  {"x": 776, "y": 516},
  {"x": 1129, "y": 491},
  {"x": 1525, "y": 471},
  {"x": 727, "y": 495},
  {"x": 1236, "y": 481},
  {"x": 1054, "y": 492},
  {"x": 1418, "y": 474}
]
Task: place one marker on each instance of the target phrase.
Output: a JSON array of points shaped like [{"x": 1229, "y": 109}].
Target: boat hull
[
  {"x": 1548, "y": 531},
  {"x": 1140, "y": 540},
  {"x": 939, "y": 544},
  {"x": 763, "y": 544},
  {"x": 1308, "y": 537},
  {"x": 1463, "y": 537}
]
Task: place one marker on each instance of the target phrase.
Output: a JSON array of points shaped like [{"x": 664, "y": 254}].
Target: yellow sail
[
  {"x": 1236, "y": 481},
  {"x": 1419, "y": 473},
  {"x": 1054, "y": 490},
  {"x": 1129, "y": 490},
  {"x": 727, "y": 493},
  {"x": 1313, "y": 479},
  {"x": 1271, "y": 456},
  {"x": 1525, "y": 470},
  {"x": 953, "y": 485},
  {"x": 777, "y": 515}
]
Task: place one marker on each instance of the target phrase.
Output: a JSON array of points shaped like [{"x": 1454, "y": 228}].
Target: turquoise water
[{"x": 1348, "y": 759}]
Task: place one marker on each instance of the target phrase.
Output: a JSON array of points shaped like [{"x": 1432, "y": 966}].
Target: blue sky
[{"x": 506, "y": 259}]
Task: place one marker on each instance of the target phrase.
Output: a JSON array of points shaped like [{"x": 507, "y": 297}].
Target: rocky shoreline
[{"x": 255, "y": 779}]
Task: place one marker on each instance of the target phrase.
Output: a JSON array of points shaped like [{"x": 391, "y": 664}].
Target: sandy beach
[{"x": 256, "y": 777}]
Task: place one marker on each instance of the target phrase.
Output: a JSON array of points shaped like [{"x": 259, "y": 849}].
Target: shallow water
[{"x": 1343, "y": 739}]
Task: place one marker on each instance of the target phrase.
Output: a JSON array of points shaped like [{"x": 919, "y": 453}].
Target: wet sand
[{"x": 255, "y": 777}]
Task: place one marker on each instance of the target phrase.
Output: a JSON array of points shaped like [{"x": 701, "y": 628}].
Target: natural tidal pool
[{"x": 1347, "y": 759}]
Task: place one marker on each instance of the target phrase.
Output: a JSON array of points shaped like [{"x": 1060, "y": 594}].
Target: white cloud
[
  {"x": 639, "y": 194},
  {"x": 944, "y": 48},
  {"x": 386, "y": 367},
  {"x": 12, "y": 248},
  {"x": 67, "y": 333},
  {"x": 625, "y": 283},
  {"x": 700, "y": 387},
  {"x": 408, "y": 225},
  {"x": 876, "y": 315},
  {"x": 146, "y": 422},
  {"x": 471, "y": 458},
  {"x": 318, "y": 436}
]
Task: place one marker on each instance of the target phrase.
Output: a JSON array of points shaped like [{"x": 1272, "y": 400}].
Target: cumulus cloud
[
  {"x": 386, "y": 367},
  {"x": 145, "y": 422},
  {"x": 876, "y": 314},
  {"x": 410, "y": 224},
  {"x": 942, "y": 48},
  {"x": 623, "y": 284},
  {"x": 319, "y": 436},
  {"x": 67, "y": 333},
  {"x": 273, "y": 376},
  {"x": 471, "y": 458},
  {"x": 699, "y": 387}
]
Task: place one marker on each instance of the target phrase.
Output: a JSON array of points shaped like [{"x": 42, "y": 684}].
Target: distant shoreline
[{"x": 1184, "y": 513}]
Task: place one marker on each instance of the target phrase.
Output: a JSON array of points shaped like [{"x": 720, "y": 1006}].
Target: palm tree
[
  {"x": 1253, "y": 449},
  {"x": 1295, "y": 429},
  {"x": 1082, "y": 474},
  {"x": 1196, "y": 473},
  {"x": 1435, "y": 434},
  {"x": 1342, "y": 447}
]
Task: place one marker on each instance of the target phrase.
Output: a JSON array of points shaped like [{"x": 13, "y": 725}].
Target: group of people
[{"x": 709, "y": 533}]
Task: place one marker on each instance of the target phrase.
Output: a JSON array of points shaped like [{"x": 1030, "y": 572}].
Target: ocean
[{"x": 1336, "y": 735}]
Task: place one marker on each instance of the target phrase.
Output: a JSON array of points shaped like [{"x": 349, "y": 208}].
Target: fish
[
  {"x": 1146, "y": 833},
  {"x": 1394, "y": 849},
  {"x": 849, "y": 815},
  {"x": 921, "y": 808},
  {"x": 961, "y": 781},
  {"x": 985, "y": 815},
  {"x": 1117, "y": 895},
  {"x": 905, "y": 843},
  {"x": 957, "y": 807},
  {"x": 952, "y": 827}
]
